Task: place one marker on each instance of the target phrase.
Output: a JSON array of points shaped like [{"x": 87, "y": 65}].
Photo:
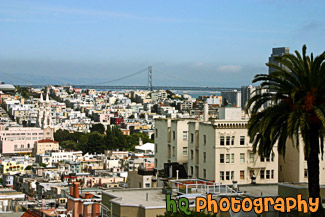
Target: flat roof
[
  {"x": 137, "y": 197},
  {"x": 260, "y": 189}
]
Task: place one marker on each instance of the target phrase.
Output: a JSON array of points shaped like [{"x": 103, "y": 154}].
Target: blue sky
[{"x": 188, "y": 43}]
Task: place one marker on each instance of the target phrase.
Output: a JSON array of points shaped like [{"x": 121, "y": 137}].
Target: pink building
[{"x": 20, "y": 140}]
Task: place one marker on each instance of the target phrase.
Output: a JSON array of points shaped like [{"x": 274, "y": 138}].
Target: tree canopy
[
  {"x": 97, "y": 128},
  {"x": 290, "y": 104},
  {"x": 96, "y": 142}
]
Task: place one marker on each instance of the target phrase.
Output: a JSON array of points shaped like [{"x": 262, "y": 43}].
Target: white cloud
[{"x": 229, "y": 68}]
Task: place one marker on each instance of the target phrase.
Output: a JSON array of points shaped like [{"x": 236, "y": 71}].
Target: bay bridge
[{"x": 104, "y": 85}]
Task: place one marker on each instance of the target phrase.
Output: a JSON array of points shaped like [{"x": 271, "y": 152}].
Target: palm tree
[{"x": 294, "y": 95}]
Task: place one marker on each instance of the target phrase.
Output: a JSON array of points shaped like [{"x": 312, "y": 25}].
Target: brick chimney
[
  {"x": 85, "y": 211},
  {"x": 87, "y": 195},
  {"x": 71, "y": 191},
  {"x": 76, "y": 189},
  {"x": 95, "y": 210}
]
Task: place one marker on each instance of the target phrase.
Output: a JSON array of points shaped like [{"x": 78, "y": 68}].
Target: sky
[{"x": 215, "y": 43}]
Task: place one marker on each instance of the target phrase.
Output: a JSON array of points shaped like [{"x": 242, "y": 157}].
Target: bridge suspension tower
[{"x": 150, "y": 78}]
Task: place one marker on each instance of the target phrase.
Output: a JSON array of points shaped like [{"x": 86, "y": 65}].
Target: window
[
  {"x": 242, "y": 157},
  {"x": 174, "y": 135},
  {"x": 192, "y": 137},
  {"x": 305, "y": 173},
  {"x": 251, "y": 157},
  {"x": 191, "y": 170},
  {"x": 262, "y": 158},
  {"x": 228, "y": 140},
  {"x": 185, "y": 151},
  {"x": 156, "y": 148},
  {"x": 232, "y": 140},
  {"x": 262, "y": 174},
  {"x": 242, "y": 174},
  {"x": 222, "y": 158},
  {"x": 232, "y": 177},
  {"x": 267, "y": 159},
  {"x": 272, "y": 174},
  {"x": 147, "y": 185},
  {"x": 232, "y": 158},
  {"x": 204, "y": 139},
  {"x": 222, "y": 175},
  {"x": 184, "y": 135},
  {"x": 227, "y": 158},
  {"x": 204, "y": 157},
  {"x": 251, "y": 173},
  {"x": 242, "y": 140},
  {"x": 227, "y": 175},
  {"x": 156, "y": 133},
  {"x": 267, "y": 174},
  {"x": 204, "y": 173},
  {"x": 222, "y": 140},
  {"x": 192, "y": 154}
]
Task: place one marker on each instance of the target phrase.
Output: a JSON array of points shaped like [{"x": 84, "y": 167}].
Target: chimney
[
  {"x": 76, "y": 189},
  {"x": 71, "y": 191},
  {"x": 206, "y": 112},
  {"x": 95, "y": 210},
  {"x": 87, "y": 195},
  {"x": 85, "y": 211}
]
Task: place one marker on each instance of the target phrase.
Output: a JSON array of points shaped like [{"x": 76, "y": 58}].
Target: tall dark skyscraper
[{"x": 279, "y": 51}]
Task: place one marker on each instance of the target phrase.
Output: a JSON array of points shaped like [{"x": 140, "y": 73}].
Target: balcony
[{"x": 23, "y": 149}]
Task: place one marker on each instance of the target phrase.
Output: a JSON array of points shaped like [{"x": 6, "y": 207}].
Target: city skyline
[{"x": 186, "y": 43}]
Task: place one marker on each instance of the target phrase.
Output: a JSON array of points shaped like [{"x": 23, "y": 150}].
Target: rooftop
[
  {"x": 138, "y": 197},
  {"x": 258, "y": 190}
]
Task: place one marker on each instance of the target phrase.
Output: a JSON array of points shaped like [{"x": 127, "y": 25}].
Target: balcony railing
[{"x": 23, "y": 149}]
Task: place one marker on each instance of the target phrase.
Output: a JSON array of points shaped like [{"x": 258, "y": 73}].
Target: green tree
[
  {"x": 61, "y": 135},
  {"x": 110, "y": 141},
  {"x": 133, "y": 140},
  {"x": 96, "y": 143},
  {"x": 295, "y": 94},
  {"x": 42, "y": 165},
  {"x": 23, "y": 91},
  {"x": 69, "y": 145},
  {"x": 98, "y": 128},
  {"x": 119, "y": 138}
]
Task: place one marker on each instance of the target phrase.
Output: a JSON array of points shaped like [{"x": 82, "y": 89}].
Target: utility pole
[{"x": 150, "y": 78}]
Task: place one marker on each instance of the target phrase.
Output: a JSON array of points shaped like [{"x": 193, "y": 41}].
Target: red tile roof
[{"x": 29, "y": 213}]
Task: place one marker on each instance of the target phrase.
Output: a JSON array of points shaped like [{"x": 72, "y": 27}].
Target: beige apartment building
[
  {"x": 216, "y": 150},
  {"x": 41, "y": 146},
  {"x": 171, "y": 141},
  {"x": 293, "y": 167},
  {"x": 220, "y": 151}
]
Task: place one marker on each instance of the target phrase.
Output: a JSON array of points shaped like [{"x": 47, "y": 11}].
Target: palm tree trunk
[{"x": 313, "y": 170}]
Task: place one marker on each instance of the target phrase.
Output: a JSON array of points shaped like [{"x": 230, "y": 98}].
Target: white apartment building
[
  {"x": 293, "y": 167},
  {"x": 55, "y": 157},
  {"x": 216, "y": 150},
  {"x": 171, "y": 141},
  {"x": 220, "y": 151}
]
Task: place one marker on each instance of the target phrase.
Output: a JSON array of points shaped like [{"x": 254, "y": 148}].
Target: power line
[
  {"x": 122, "y": 78},
  {"x": 18, "y": 78}
]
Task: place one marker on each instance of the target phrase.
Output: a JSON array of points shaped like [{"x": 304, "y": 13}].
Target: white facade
[
  {"x": 230, "y": 113},
  {"x": 171, "y": 141},
  {"x": 221, "y": 151},
  {"x": 293, "y": 167}
]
